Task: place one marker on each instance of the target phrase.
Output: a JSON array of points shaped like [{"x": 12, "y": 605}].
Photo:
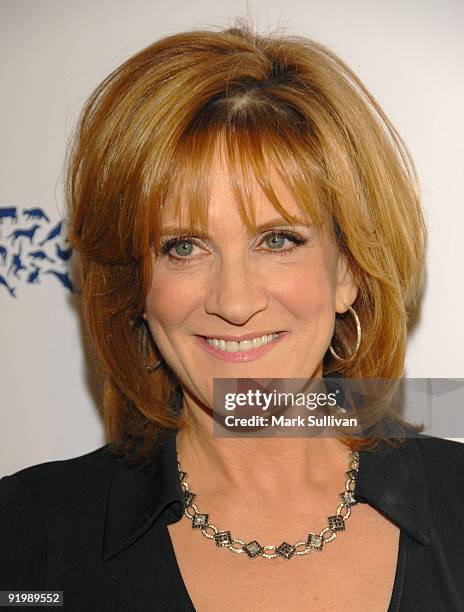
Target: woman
[{"x": 243, "y": 209}]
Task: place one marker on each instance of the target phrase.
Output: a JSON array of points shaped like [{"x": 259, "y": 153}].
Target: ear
[
  {"x": 346, "y": 287},
  {"x": 145, "y": 316}
]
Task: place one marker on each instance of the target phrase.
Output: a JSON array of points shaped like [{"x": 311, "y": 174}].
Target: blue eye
[
  {"x": 180, "y": 248},
  {"x": 276, "y": 240},
  {"x": 183, "y": 248}
]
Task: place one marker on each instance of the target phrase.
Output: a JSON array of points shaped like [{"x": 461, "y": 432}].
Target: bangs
[{"x": 252, "y": 157}]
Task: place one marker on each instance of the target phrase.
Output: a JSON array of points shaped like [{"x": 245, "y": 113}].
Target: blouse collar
[{"x": 390, "y": 479}]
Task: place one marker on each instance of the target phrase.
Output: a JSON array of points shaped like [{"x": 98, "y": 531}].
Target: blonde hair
[{"x": 147, "y": 134}]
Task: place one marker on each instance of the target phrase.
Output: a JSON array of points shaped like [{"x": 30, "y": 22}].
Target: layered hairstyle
[{"x": 145, "y": 143}]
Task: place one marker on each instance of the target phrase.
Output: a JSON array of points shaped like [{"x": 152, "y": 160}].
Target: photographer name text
[{"x": 283, "y": 421}]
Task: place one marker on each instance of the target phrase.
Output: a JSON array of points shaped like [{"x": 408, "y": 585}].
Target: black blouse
[{"x": 96, "y": 529}]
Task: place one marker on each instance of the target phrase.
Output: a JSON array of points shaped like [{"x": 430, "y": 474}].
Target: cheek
[
  {"x": 170, "y": 299},
  {"x": 308, "y": 292}
]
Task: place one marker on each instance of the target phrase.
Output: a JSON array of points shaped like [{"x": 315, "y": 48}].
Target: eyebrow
[{"x": 277, "y": 222}]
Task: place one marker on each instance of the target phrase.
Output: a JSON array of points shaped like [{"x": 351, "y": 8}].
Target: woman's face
[{"x": 236, "y": 288}]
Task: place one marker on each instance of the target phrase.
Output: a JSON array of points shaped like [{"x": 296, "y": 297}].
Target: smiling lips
[
  {"x": 232, "y": 346},
  {"x": 245, "y": 348}
]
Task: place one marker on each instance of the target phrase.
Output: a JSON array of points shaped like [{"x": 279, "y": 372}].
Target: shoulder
[
  {"x": 81, "y": 462},
  {"x": 439, "y": 454},
  {"x": 43, "y": 499},
  {"x": 60, "y": 487},
  {"x": 54, "y": 482},
  {"x": 65, "y": 473},
  {"x": 443, "y": 469}
]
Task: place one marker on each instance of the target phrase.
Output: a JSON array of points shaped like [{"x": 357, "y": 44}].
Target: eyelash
[{"x": 167, "y": 246}]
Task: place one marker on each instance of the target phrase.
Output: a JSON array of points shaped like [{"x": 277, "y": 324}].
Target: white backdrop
[{"x": 54, "y": 52}]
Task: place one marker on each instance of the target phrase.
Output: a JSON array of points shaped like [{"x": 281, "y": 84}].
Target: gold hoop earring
[{"x": 358, "y": 339}]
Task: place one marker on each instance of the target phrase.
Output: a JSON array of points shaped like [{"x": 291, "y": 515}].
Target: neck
[{"x": 271, "y": 467}]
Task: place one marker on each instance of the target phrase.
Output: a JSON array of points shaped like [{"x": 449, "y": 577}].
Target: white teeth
[{"x": 245, "y": 345}]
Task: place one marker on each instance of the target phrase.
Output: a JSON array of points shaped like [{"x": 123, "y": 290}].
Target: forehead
[
  {"x": 224, "y": 204},
  {"x": 225, "y": 196}
]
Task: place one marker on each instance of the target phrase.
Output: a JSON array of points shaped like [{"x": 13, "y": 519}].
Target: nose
[{"x": 237, "y": 292}]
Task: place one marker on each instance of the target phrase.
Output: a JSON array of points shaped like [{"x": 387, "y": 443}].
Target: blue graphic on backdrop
[{"x": 32, "y": 250}]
